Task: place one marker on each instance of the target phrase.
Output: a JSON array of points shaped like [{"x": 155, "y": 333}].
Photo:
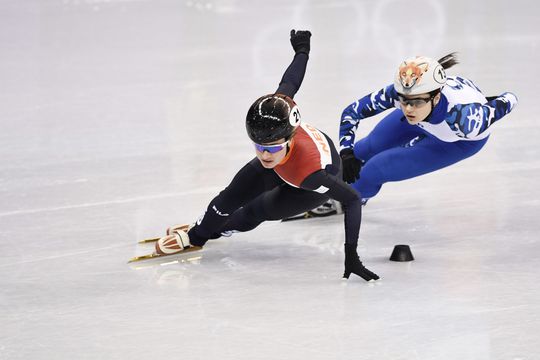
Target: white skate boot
[
  {"x": 183, "y": 227},
  {"x": 174, "y": 243},
  {"x": 331, "y": 207}
]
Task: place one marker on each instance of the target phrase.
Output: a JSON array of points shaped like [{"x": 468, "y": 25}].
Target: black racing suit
[{"x": 257, "y": 194}]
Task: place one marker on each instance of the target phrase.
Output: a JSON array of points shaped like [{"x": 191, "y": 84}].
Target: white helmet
[{"x": 419, "y": 75}]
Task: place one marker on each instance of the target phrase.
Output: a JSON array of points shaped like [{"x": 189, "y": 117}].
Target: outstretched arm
[
  {"x": 497, "y": 107},
  {"x": 293, "y": 76},
  {"x": 471, "y": 120},
  {"x": 331, "y": 185}
]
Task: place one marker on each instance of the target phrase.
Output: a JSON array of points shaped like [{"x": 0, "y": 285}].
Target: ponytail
[{"x": 449, "y": 60}]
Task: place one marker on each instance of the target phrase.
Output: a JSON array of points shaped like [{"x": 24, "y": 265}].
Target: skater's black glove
[
  {"x": 300, "y": 41},
  {"x": 351, "y": 166},
  {"x": 353, "y": 265}
]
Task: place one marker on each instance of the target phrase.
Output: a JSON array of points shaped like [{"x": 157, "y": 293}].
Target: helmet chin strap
[
  {"x": 432, "y": 108},
  {"x": 289, "y": 144},
  {"x": 431, "y": 112},
  {"x": 290, "y": 140}
]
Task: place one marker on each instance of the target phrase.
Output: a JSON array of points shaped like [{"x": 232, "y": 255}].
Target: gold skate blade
[
  {"x": 154, "y": 255},
  {"x": 143, "y": 257},
  {"x": 148, "y": 240}
]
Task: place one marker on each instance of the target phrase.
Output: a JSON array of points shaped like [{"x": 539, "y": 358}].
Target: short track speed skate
[
  {"x": 330, "y": 207},
  {"x": 175, "y": 242}
]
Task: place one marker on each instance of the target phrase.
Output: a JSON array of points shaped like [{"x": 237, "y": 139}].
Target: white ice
[{"x": 122, "y": 117}]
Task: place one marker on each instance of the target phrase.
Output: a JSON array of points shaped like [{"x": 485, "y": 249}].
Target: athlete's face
[
  {"x": 271, "y": 154},
  {"x": 417, "y": 108}
]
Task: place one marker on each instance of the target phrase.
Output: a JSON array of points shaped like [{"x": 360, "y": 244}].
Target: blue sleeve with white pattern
[
  {"x": 367, "y": 106},
  {"x": 471, "y": 120}
]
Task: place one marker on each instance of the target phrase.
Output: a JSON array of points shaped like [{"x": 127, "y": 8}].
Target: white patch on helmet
[
  {"x": 294, "y": 116},
  {"x": 439, "y": 75}
]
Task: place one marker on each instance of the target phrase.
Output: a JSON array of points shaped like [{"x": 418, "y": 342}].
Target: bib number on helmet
[
  {"x": 439, "y": 75},
  {"x": 294, "y": 116}
]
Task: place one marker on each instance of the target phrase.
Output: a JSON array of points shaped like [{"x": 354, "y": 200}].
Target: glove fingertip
[{"x": 292, "y": 32}]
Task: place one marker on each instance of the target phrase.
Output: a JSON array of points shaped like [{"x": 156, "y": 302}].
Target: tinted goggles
[
  {"x": 272, "y": 149},
  {"x": 416, "y": 102}
]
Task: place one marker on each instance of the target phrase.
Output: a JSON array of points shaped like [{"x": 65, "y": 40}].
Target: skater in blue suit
[{"x": 437, "y": 121}]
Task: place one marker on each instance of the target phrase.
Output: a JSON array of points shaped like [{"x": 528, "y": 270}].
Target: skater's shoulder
[
  {"x": 311, "y": 141},
  {"x": 310, "y": 151}
]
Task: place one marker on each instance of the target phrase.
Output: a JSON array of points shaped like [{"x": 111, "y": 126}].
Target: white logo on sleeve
[{"x": 219, "y": 212}]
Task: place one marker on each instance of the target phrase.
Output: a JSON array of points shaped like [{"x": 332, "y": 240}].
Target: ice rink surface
[{"x": 120, "y": 118}]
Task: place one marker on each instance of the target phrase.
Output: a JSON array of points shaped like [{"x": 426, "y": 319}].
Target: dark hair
[{"x": 449, "y": 60}]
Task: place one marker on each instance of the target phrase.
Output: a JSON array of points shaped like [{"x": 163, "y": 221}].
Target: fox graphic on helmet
[
  {"x": 410, "y": 73},
  {"x": 419, "y": 75}
]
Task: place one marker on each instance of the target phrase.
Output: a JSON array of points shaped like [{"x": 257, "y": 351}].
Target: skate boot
[
  {"x": 183, "y": 227},
  {"x": 174, "y": 243},
  {"x": 330, "y": 207},
  {"x": 186, "y": 228}
]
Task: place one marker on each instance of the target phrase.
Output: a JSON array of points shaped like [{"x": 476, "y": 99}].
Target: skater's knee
[
  {"x": 245, "y": 219},
  {"x": 254, "y": 215},
  {"x": 370, "y": 182},
  {"x": 373, "y": 173},
  {"x": 362, "y": 149}
]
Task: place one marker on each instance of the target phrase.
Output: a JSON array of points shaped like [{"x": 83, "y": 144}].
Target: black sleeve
[
  {"x": 293, "y": 76},
  {"x": 338, "y": 190}
]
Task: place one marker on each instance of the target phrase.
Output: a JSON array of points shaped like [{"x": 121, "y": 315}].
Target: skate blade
[
  {"x": 303, "y": 216},
  {"x": 154, "y": 255},
  {"x": 145, "y": 241},
  {"x": 312, "y": 214}
]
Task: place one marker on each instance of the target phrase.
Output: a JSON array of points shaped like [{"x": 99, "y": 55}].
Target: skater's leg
[
  {"x": 251, "y": 181},
  {"x": 417, "y": 158},
  {"x": 390, "y": 132},
  {"x": 276, "y": 204}
]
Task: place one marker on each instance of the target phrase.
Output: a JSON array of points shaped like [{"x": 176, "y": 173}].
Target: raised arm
[
  {"x": 473, "y": 119},
  {"x": 496, "y": 108},
  {"x": 293, "y": 76}
]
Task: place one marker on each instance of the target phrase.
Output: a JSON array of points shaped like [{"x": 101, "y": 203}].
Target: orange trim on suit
[{"x": 305, "y": 156}]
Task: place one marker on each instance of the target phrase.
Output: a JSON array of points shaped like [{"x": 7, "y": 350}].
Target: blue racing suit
[{"x": 395, "y": 150}]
